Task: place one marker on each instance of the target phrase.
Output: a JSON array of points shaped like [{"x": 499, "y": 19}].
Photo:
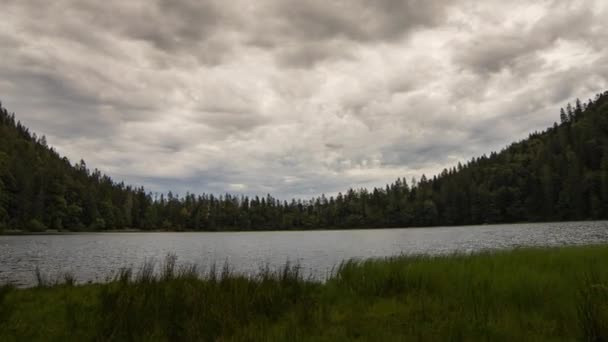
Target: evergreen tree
[
  {"x": 578, "y": 108},
  {"x": 4, "y": 195},
  {"x": 563, "y": 116},
  {"x": 570, "y": 112},
  {"x": 558, "y": 174}
]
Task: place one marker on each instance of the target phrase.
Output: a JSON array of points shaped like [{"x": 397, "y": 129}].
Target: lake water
[{"x": 94, "y": 256}]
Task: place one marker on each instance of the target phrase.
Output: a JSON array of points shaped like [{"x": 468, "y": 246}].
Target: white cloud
[{"x": 295, "y": 100}]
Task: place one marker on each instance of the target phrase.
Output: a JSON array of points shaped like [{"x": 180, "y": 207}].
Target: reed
[{"x": 523, "y": 294}]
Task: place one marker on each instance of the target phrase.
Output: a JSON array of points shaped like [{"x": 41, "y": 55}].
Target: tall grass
[
  {"x": 528, "y": 294},
  {"x": 181, "y": 303},
  {"x": 593, "y": 309},
  {"x": 43, "y": 280},
  {"x": 5, "y": 308}
]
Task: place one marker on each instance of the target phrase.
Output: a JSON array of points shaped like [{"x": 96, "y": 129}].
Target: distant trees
[
  {"x": 4, "y": 195},
  {"x": 559, "y": 174}
]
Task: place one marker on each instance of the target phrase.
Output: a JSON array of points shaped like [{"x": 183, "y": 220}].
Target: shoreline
[
  {"x": 558, "y": 293},
  {"x": 15, "y": 232}
]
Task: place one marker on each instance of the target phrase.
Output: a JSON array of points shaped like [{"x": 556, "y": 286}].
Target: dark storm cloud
[{"x": 293, "y": 98}]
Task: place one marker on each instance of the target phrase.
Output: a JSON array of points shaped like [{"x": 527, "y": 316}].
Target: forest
[{"x": 555, "y": 175}]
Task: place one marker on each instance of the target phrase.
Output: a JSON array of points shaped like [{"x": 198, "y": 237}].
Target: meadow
[{"x": 532, "y": 294}]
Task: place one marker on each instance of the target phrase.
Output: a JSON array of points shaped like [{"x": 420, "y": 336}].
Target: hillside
[
  {"x": 558, "y": 174},
  {"x": 41, "y": 190}
]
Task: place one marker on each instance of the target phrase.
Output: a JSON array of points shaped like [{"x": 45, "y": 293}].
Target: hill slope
[
  {"x": 39, "y": 189},
  {"x": 559, "y": 174}
]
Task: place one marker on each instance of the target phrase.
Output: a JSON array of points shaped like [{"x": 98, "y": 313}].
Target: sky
[{"x": 293, "y": 98}]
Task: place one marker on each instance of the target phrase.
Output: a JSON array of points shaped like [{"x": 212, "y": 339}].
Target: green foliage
[
  {"x": 180, "y": 307},
  {"x": 559, "y": 174},
  {"x": 593, "y": 309},
  {"x": 4, "y": 196},
  {"x": 6, "y": 309},
  {"x": 35, "y": 225},
  {"x": 99, "y": 224},
  {"x": 529, "y": 295}
]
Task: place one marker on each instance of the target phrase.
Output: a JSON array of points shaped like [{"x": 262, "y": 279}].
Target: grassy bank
[{"x": 529, "y": 294}]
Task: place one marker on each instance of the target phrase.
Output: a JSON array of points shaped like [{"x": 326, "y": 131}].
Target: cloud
[
  {"x": 359, "y": 20},
  {"x": 518, "y": 47},
  {"x": 293, "y": 98},
  {"x": 307, "y": 32}
]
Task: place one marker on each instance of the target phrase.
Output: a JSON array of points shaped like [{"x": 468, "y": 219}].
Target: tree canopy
[{"x": 558, "y": 174}]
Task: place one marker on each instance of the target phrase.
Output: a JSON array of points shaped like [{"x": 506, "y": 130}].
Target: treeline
[{"x": 558, "y": 174}]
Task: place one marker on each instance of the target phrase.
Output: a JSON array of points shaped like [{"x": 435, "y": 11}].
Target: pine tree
[
  {"x": 561, "y": 173},
  {"x": 562, "y": 115},
  {"x": 578, "y": 109},
  {"x": 570, "y": 112}
]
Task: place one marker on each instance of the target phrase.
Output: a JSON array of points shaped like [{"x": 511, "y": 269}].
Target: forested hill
[{"x": 559, "y": 174}]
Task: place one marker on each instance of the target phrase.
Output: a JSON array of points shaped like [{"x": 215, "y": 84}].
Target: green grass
[{"x": 558, "y": 294}]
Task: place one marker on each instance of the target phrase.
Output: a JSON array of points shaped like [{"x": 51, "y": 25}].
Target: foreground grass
[{"x": 529, "y": 294}]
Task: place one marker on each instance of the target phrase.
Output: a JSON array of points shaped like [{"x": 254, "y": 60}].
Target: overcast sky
[{"x": 293, "y": 98}]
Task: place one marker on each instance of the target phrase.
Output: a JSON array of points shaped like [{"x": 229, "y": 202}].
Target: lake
[{"x": 94, "y": 256}]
